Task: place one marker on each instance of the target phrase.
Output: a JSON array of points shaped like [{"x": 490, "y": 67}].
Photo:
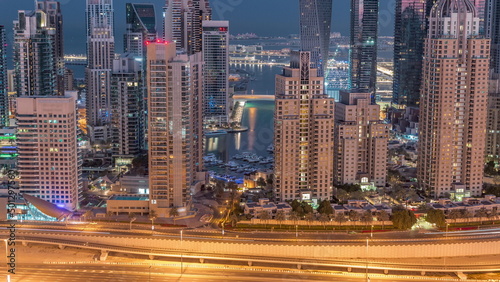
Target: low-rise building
[
  {"x": 130, "y": 203},
  {"x": 489, "y": 202},
  {"x": 255, "y": 208}
]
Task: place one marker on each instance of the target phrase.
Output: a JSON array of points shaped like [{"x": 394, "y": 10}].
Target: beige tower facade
[
  {"x": 304, "y": 123},
  {"x": 175, "y": 132},
  {"x": 49, "y": 164},
  {"x": 360, "y": 141},
  {"x": 453, "y": 102}
]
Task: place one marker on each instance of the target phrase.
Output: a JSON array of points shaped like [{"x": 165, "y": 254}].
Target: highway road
[
  {"x": 207, "y": 273},
  {"x": 292, "y": 238}
]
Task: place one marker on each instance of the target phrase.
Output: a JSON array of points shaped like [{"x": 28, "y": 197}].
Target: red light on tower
[{"x": 224, "y": 29}]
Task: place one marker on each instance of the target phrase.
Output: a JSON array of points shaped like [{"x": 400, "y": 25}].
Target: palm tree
[
  {"x": 340, "y": 218},
  {"x": 234, "y": 220},
  {"x": 280, "y": 216},
  {"x": 466, "y": 214},
  {"x": 294, "y": 216},
  {"x": 132, "y": 218},
  {"x": 310, "y": 218},
  {"x": 367, "y": 217},
  {"x": 353, "y": 215},
  {"x": 174, "y": 212},
  {"x": 152, "y": 216},
  {"x": 324, "y": 218},
  {"x": 264, "y": 216},
  {"x": 481, "y": 213},
  {"x": 454, "y": 215}
]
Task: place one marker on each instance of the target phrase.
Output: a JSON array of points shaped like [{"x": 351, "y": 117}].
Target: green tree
[
  {"x": 174, "y": 212},
  {"x": 307, "y": 208},
  {"x": 325, "y": 207},
  {"x": 261, "y": 182},
  {"x": 436, "y": 217},
  {"x": 353, "y": 215},
  {"x": 454, "y": 215},
  {"x": 403, "y": 219},
  {"x": 269, "y": 180},
  {"x": 383, "y": 216},
  {"x": 342, "y": 195},
  {"x": 489, "y": 168},
  {"x": 280, "y": 216},
  {"x": 366, "y": 217},
  {"x": 295, "y": 204},
  {"x": 340, "y": 218}
]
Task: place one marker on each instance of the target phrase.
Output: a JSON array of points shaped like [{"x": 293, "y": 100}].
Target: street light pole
[
  {"x": 182, "y": 251},
  {"x": 367, "y": 260},
  {"x": 296, "y": 231},
  {"x": 371, "y": 232},
  {"x": 447, "y": 224}
]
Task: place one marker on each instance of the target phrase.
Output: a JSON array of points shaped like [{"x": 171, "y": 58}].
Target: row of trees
[{"x": 366, "y": 217}]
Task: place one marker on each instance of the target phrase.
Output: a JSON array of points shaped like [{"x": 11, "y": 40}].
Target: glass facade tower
[
  {"x": 315, "y": 27},
  {"x": 363, "y": 57}
]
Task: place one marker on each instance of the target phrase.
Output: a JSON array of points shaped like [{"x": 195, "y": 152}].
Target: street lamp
[
  {"x": 371, "y": 232},
  {"x": 296, "y": 231},
  {"x": 182, "y": 251},
  {"x": 367, "y": 279},
  {"x": 447, "y": 224}
]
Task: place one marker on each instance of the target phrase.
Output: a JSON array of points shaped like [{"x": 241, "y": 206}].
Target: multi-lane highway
[
  {"x": 190, "y": 272},
  {"x": 291, "y": 237}
]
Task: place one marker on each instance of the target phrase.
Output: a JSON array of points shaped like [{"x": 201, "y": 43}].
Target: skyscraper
[
  {"x": 216, "y": 70},
  {"x": 363, "y": 57},
  {"x": 183, "y": 23},
  {"x": 303, "y": 129},
  {"x": 141, "y": 27},
  {"x": 492, "y": 27},
  {"x": 175, "y": 126},
  {"x": 54, "y": 22},
  {"x": 127, "y": 112},
  {"x": 360, "y": 141},
  {"x": 453, "y": 102},
  {"x": 4, "y": 98},
  {"x": 315, "y": 28},
  {"x": 100, "y": 54},
  {"x": 409, "y": 36},
  {"x": 34, "y": 49},
  {"x": 48, "y": 162},
  {"x": 493, "y": 32}
]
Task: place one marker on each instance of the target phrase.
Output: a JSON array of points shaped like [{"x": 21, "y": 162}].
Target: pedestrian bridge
[{"x": 245, "y": 97}]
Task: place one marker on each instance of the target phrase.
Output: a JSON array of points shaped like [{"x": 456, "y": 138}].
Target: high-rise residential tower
[
  {"x": 54, "y": 22},
  {"x": 183, "y": 23},
  {"x": 49, "y": 163},
  {"x": 409, "y": 36},
  {"x": 34, "y": 50},
  {"x": 363, "y": 57},
  {"x": 216, "y": 70},
  {"x": 127, "y": 112},
  {"x": 303, "y": 129},
  {"x": 315, "y": 28},
  {"x": 492, "y": 24},
  {"x": 4, "y": 98},
  {"x": 453, "y": 102},
  {"x": 175, "y": 133},
  {"x": 141, "y": 27},
  {"x": 100, "y": 54},
  {"x": 360, "y": 141}
]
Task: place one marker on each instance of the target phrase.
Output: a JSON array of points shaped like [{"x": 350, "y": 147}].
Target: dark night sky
[{"x": 263, "y": 17}]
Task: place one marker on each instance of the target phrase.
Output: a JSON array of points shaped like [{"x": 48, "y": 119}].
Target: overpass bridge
[
  {"x": 267, "y": 259},
  {"x": 246, "y": 97}
]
